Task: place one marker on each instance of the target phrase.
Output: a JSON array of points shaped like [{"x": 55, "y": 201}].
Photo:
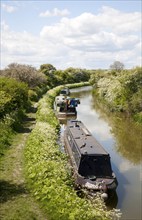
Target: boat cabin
[
  {"x": 90, "y": 161},
  {"x": 65, "y": 106}
]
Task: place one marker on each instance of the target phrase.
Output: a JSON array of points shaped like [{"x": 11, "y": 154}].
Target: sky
[{"x": 80, "y": 34}]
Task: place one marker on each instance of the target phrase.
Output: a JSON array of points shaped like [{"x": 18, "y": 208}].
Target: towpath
[{"x": 16, "y": 202}]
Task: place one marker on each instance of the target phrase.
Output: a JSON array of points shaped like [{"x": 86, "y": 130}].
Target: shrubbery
[
  {"x": 6, "y": 134},
  {"x": 19, "y": 85},
  {"x": 61, "y": 77},
  {"x": 14, "y": 96},
  {"x": 13, "y": 102},
  {"x": 121, "y": 90},
  {"x": 24, "y": 73}
]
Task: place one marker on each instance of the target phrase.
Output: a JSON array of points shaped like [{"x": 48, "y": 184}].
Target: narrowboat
[
  {"x": 65, "y": 91},
  {"x": 89, "y": 160},
  {"x": 65, "y": 106}
]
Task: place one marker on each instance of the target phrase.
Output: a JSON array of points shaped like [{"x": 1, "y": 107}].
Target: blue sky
[{"x": 83, "y": 34}]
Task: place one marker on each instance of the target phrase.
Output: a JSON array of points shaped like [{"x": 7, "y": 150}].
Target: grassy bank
[
  {"x": 47, "y": 170},
  {"x": 16, "y": 202}
]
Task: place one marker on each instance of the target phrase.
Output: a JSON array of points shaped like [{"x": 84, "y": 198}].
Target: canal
[{"x": 123, "y": 141}]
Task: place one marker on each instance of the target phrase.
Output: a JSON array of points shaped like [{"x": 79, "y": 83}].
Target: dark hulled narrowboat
[{"x": 90, "y": 162}]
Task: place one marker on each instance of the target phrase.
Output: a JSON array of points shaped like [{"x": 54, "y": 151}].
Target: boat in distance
[
  {"x": 65, "y": 91},
  {"x": 65, "y": 106},
  {"x": 89, "y": 160}
]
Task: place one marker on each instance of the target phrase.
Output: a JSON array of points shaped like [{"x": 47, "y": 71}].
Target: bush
[
  {"x": 32, "y": 95},
  {"x": 121, "y": 91},
  {"x": 14, "y": 96},
  {"x": 13, "y": 102},
  {"x": 138, "y": 117},
  {"x": 6, "y": 134}
]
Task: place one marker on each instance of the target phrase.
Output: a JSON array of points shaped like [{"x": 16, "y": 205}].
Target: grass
[{"x": 16, "y": 201}]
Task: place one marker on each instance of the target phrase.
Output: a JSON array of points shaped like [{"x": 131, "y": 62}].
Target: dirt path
[{"x": 16, "y": 203}]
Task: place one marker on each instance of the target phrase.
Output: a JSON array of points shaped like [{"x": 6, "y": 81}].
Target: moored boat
[
  {"x": 65, "y": 91},
  {"x": 90, "y": 161},
  {"x": 65, "y": 106}
]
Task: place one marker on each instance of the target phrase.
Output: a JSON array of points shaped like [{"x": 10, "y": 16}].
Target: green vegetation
[
  {"x": 121, "y": 90},
  {"x": 19, "y": 85},
  {"x": 14, "y": 96},
  {"x": 61, "y": 77},
  {"x": 46, "y": 167},
  {"x": 24, "y": 73},
  {"x": 22, "y": 84},
  {"x": 13, "y": 103},
  {"x": 48, "y": 172},
  {"x": 16, "y": 203},
  {"x": 35, "y": 80}
]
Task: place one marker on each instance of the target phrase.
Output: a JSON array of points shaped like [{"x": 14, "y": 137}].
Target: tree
[
  {"x": 117, "y": 65},
  {"x": 24, "y": 73},
  {"x": 14, "y": 96},
  {"x": 47, "y": 68},
  {"x": 49, "y": 71},
  {"x": 77, "y": 74}
]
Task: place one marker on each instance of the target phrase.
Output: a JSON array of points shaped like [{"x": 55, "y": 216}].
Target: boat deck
[{"x": 86, "y": 143}]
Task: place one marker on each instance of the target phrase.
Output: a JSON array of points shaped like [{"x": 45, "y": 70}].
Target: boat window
[
  {"x": 98, "y": 166},
  {"x": 70, "y": 141},
  {"x": 76, "y": 154},
  {"x": 63, "y": 92}
]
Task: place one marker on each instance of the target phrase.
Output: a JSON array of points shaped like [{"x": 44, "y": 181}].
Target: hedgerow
[
  {"x": 48, "y": 172},
  {"x": 13, "y": 103},
  {"x": 14, "y": 96},
  {"x": 121, "y": 91},
  {"x": 6, "y": 134}
]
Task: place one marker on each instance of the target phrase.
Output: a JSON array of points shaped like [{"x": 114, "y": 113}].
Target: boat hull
[
  {"x": 63, "y": 109},
  {"x": 103, "y": 184}
]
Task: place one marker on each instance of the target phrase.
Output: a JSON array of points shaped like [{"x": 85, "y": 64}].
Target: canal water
[{"x": 123, "y": 141}]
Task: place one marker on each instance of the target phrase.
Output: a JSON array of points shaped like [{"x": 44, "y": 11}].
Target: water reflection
[
  {"x": 63, "y": 120},
  {"x": 123, "y": 140},
  {"x": 112, "y": 201},
  {"x": 128, "y": 135}
]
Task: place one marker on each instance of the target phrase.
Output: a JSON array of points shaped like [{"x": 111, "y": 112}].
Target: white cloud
[
  {"x": 125, "y": 166},
  {"x": 55, "y": 12},
  {"x": 86, "y": 41},
  {"x": 23, "y": 47},
  {"x": 9, "y": 8},
  {"x": 89, "y": 32},
  {"x": 4, "y": 26},
  {"x": 120, "y": 22}
]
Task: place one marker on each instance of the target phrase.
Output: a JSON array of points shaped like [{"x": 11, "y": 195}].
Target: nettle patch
[{"x": 49, "y": 176}]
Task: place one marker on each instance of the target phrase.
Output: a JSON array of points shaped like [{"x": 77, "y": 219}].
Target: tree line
[{"x": 22, "y": 84}]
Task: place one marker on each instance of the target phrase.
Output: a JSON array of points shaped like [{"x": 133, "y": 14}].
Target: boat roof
[{"x": 85, "y": 141}]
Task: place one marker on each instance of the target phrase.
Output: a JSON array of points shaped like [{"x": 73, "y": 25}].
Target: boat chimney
[{"x": 76, "y": 125}]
